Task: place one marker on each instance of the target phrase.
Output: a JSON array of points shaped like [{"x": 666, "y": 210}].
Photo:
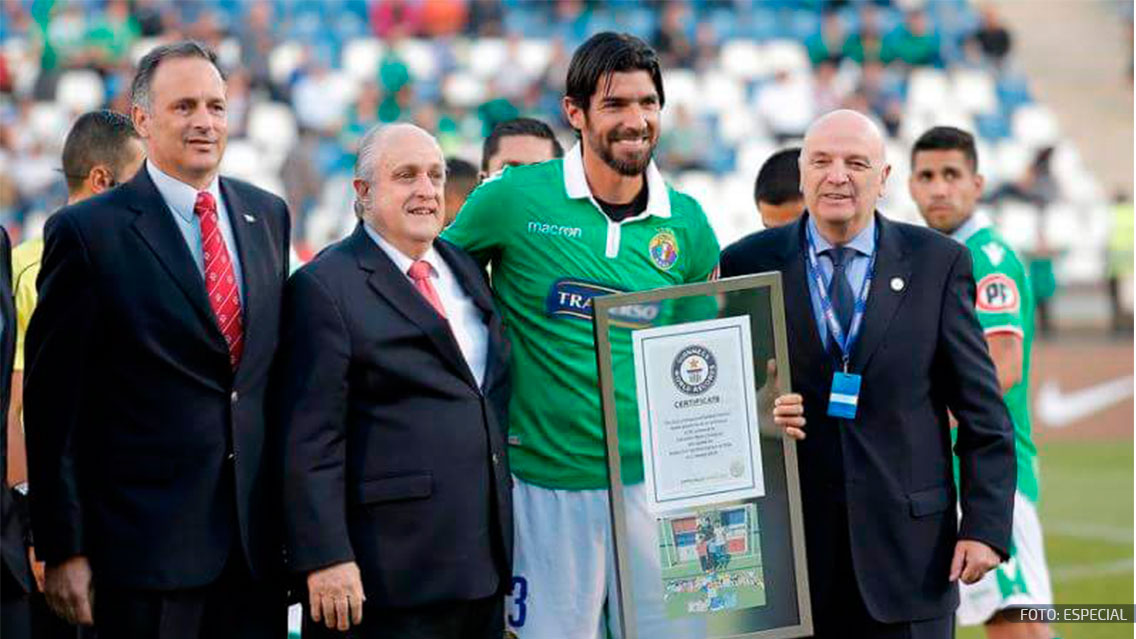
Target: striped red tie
[{"x": 220, "y": 281}]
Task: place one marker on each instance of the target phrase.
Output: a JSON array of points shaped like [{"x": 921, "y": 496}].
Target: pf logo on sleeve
[{"x": 998, "y": 293}]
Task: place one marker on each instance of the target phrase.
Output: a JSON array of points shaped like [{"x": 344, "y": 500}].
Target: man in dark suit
[
  {"x": 884, "y": 545},
  {"x": 148, "y": 361},
  {"x": 16, "y": 571},
  {"x": 392, "y": 383}
]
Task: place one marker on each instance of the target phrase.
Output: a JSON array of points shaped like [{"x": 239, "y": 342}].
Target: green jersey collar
[
  {"x": 974, "y": 224},
  {"x": 576, "y": 184}
]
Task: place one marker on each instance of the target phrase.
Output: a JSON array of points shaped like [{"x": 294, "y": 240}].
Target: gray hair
[
  {"x": 148, "y": 66},
  {"x": 370, "y": 146}
]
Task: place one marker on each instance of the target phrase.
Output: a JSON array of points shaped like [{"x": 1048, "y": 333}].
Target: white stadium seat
[
  {"x": 1035, "y": 125},
  {"x": 786, "y": 55},
  {"x": 272, "y": 126},
  {"x": 927, "y": 91},
  {"x": 487, "y": 56},
  {"x": 361, "y": 58},
  {"x": 974, "y": 91},
  {"x": 1018, "y": 223},
  {"x": 284, "y": 59},
  {"x": 80, "y": 90},
  {"x": 419, "y": 56},
  {"x": 742, "y": 59},
  {"x": 535, "y": 56},
  {"x": 464, "y": 89},
  {"x": 49, "y": 123},
  {"x": 720, "y": 93},
  {"x": 682, "y": 88}
]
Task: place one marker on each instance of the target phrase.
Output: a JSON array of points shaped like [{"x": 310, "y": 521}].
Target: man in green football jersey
[
  {"x": 557, "y": 234},
  {"x": 946, "y": 185}
]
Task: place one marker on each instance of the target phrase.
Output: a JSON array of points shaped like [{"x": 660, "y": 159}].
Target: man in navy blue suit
[
  {"x": 148, "y": 360},
  {"x": 393, "y": 386},
  {"x": 884, "y": 346}
]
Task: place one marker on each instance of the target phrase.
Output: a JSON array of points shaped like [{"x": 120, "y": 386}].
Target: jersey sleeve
[
  {"x": 999, "y": 291},
  {"x": 477, "y": 228},
  {"x": 703, "y": 251},
  {"x": 25, "y": 294}
]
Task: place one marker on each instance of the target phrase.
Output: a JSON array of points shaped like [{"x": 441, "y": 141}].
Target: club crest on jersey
[
  {"x": 694, "y": 370},
  {"x": 573, "y": 298},
  {"x": 998, "y": 293},
  {"x": 664, "y": 249}
]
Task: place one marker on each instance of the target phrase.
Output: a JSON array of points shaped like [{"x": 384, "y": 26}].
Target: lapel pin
[
  {"x": 250, "y": 219},
  {"x": 897, "y": 284}
]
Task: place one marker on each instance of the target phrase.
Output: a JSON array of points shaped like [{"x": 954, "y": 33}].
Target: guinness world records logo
[{"x": 694, "y": 370}]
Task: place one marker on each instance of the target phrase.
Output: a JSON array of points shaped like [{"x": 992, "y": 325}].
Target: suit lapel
[
  {"x": 798, "y": 303},
  {"x": 244, "y": 233},
  {"x": 166, "y": 241},
  {"x": 386, "y": 280},
  {"x": 883, "y": 301}
]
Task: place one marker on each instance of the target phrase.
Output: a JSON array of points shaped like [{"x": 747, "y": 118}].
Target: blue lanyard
[{"x": 844, "y": 343}]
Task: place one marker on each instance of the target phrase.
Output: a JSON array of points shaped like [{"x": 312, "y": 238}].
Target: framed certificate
[
  {"x": 704, "y": 495},
  {"x": 697, "y": 413}
]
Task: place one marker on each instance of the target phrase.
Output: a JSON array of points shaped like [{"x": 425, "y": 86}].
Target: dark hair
[
  {"x": 97, "y": 137},
  {"x": 947, "y": 138},
  {"x": 460, "y": 169},
  {"x": 779, "y": 179},
  {"x": 148, "y": 65},
  {"x": 606, "y": 53},
  {"x": 518, "y": 127}
]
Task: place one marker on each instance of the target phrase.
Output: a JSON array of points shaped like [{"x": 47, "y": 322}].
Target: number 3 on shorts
[{"x": 519, "y": 593}]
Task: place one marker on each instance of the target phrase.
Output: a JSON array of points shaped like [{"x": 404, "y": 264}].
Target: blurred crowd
[{"x": 307, "y": 77}]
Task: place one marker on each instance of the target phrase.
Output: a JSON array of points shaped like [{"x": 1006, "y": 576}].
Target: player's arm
[
  {"x": 1007, "y": 351},
  {"x": 25, "y": 297},
  {"x": 17, "y": 454}
]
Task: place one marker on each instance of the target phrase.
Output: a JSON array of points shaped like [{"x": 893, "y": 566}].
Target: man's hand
[
  {"x": 972, "y": 560},
  {"x": 37, "y": 568},
  {"x": 68, "y": 589},
  {"x": 335, "y": 595}
]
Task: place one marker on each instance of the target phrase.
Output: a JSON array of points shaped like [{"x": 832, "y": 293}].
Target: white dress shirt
[
  {"x": 465, "y": 318},
  {"x": 180, "y": 199}
]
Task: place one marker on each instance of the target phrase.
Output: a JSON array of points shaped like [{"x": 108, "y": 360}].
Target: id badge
[{"x": 845, "y": 395}]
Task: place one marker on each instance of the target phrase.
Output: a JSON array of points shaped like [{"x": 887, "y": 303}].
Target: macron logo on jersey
[
  {"x": 573, "y": 298},
  {"x": 555, "y": 230}
]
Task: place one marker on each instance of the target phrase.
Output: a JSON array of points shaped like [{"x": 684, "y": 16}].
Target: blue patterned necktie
[{"x": 839, "y": 290}]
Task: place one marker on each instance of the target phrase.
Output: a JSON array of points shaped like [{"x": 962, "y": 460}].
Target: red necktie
[
  {"x": 420, "y": 273},
  {"x": 220, "y": 282}
]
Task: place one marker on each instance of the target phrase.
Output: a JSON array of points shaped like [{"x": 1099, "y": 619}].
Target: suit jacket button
[
  {"x": 233, "y": 397},
  {"x": 231, "y": 456}
]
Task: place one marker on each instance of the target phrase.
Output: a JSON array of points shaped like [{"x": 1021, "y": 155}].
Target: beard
[{"x": 633, "y": 165}]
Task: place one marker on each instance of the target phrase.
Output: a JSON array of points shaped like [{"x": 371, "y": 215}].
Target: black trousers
[
  {"x": 477, "y": 619},
  {"x": 235, "y": 605}
]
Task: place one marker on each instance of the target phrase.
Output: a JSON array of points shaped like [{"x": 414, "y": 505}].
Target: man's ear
[
  {"x": 100, "y": 179},
  {"x": 884, "y": 178},
  {"x": 141, "y": 120},
  {"x": 576, "y": 116}
]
